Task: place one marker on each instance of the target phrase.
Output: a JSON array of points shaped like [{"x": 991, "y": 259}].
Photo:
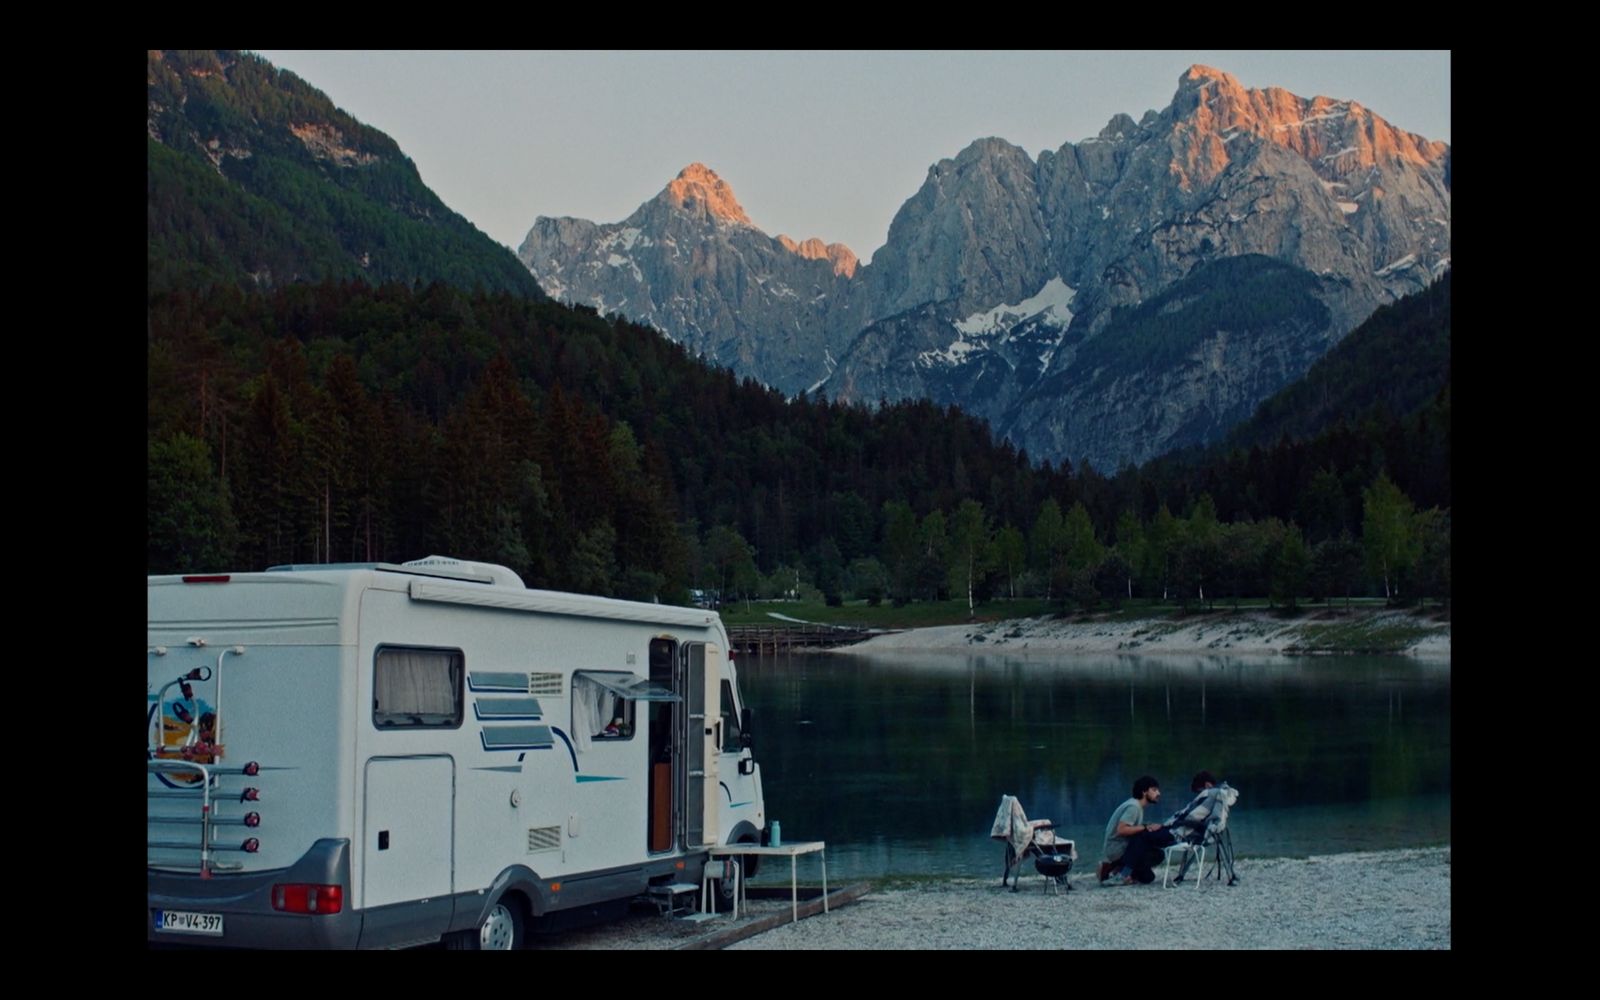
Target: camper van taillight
[
  {"x": 205, "y": 579},
  {"x": 298, "y": 897}
]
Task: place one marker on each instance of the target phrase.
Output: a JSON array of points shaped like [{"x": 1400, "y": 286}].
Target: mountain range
[
  {"x": 338, "y": 366},
  {"x": 1138, "y": 291}
]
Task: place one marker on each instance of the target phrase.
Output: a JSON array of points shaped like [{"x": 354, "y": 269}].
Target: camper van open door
[{"x": 702, "y": 663}]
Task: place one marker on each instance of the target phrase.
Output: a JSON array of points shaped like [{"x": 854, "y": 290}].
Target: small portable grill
[{"x": 1054, "y": 862}]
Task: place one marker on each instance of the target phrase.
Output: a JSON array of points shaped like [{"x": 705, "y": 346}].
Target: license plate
[{"x": 184, "y": 922}]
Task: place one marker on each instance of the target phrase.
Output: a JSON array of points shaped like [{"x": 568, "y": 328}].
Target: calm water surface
[{"x": 899, "y": 760}]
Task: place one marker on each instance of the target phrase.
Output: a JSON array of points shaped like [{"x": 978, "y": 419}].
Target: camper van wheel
[
  {"x": 751, "y": 862},
  {"x": 723, "y": 888},
  {"x": 501, "y": 930}
]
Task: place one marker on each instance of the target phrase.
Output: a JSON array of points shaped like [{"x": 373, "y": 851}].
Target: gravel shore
[
  {"x": 1250, "y": 633},
  {"x": 1381, "y": 899},
  {"x": 1385, "y": 899}
]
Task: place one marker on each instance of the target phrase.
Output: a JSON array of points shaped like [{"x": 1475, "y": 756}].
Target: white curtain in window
[
  {"x": 591, "y": 710},
  {"x": 415, "y": 682}
]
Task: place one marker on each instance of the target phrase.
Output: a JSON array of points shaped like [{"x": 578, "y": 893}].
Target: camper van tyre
[
  {"x": 725, "y": 886},
  {"x": 500, "y": 929},
  {"x": 745, "y": 833},
  {"x": 723, "y": 889}
]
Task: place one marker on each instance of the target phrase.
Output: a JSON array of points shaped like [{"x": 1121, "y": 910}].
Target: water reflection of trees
[{"x": 928, "y": 743}]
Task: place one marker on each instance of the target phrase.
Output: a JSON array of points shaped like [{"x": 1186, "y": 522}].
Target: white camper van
[{"x": 382, "y": 755}]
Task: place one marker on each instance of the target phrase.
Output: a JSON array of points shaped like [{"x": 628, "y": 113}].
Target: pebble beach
[{"x": 1397, "y": 899}]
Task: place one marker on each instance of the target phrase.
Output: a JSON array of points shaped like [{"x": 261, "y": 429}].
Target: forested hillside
[
  {"x": 1249, "y": 293},
  {"x": 255, "y": 178},
  {"x": 1396, "y": 362},
  {"x": 340, "y": 422}
]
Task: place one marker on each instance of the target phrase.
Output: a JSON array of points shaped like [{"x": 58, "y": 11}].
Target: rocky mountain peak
[
  {"x": 1337, "y": 136},
  {"x": 840, "y": 256},
  {"x": 699, "y": 191},
  {"x": 1197, "y": 77},
  {"x": 972, "y": 232},
  {"x": 1119, "y": 128},
  {"x": 691, "y": 263}
]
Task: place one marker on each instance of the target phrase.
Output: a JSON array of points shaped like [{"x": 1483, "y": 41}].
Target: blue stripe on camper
[
  {"x": 512, "y": 768},
  {"x": 507, "y": 708},
  {"x": 735, "y": 805},
  {"x": 517, "y": 738},
  {"x": 596, "y": 777},
  {"x": 573, "y": 753},
  {"x": 481, "y": 680}
]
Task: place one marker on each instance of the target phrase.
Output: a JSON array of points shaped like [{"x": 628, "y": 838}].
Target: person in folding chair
[
  {"x": 1203, "y": 823},
  {"x": 1132, "y": 845}
]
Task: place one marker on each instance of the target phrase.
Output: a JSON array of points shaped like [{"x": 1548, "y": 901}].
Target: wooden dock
[{"x": 783, "y": 636}]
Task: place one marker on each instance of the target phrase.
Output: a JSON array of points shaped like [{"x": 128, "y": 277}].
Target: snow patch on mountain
[
  {"x": 1399, "y": 265},
  {"x": 1051, "y": 304},
  {"x": 1050, "y": 307}
]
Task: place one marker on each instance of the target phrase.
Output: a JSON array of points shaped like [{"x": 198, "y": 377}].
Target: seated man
[{"x": 1132, "y": 844}]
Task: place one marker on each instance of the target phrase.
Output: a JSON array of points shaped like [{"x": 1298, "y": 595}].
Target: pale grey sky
[{"x": 825, "y": 144}]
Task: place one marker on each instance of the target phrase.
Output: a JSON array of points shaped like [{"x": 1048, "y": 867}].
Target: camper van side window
[
  {"x": 599, "y": 713},
  {"x": 414, "y": 688},
  {"x": 730, "y": 720}
]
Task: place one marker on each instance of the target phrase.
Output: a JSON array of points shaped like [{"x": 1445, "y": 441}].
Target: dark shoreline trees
[{"x": 347, "y": 422}]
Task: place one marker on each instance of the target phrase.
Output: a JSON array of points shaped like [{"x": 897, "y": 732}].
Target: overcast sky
[{"x": 826, "y": 144}]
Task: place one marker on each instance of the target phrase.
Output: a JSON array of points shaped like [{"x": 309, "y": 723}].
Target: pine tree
[{"x": 189, "y": 519}]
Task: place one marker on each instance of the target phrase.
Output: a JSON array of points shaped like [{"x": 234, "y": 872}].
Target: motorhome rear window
[{"x": 417, "y": 688}]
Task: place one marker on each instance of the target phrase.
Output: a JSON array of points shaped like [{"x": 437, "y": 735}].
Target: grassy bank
[{"x": 1366, "y": 634}]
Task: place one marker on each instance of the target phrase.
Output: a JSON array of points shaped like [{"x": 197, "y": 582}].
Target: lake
[{"x": 899, "y": 760}]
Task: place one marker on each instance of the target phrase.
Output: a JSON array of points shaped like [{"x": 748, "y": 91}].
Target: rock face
[
  {"x": 843, "y": 260},
  {"x": 973, "y": 237},
  {"x": 1016, "y": 288},
  {"x": 692, "y": 264}
]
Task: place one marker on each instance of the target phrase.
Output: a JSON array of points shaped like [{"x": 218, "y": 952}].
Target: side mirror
[{"x": 746, "y": 737}]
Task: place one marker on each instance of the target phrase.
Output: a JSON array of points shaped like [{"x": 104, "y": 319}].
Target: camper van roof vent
[{"x": 460, "y": 569}]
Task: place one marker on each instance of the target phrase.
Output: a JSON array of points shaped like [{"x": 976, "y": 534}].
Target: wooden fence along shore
[{"x": 782, "y": 637}]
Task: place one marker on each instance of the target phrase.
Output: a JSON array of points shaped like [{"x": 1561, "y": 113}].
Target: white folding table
[{"x": 792, "y": 852}]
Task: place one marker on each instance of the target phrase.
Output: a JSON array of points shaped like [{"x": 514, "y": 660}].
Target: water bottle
[{"x": 777, "y": 834}]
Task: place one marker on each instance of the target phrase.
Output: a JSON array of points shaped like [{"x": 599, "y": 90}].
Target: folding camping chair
[
  {"x": 1200, "y": 826},
  {"x": 1052, "y": 857}
]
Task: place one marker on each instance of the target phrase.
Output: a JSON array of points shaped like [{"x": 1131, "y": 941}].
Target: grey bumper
[{"x": 245, "y": 904}]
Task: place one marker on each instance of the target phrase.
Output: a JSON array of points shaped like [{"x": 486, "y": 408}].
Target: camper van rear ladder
[{"x": 204, "y": 793}]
